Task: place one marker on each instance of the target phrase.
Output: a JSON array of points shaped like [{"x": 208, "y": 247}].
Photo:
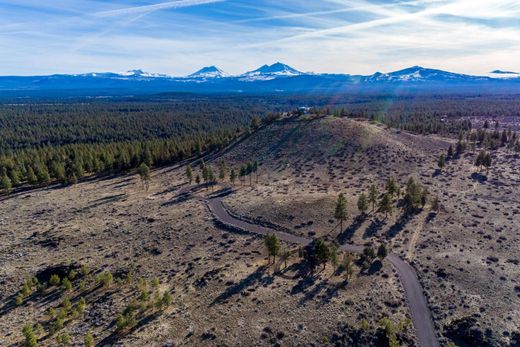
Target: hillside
[{"x": 223, "y": 291}]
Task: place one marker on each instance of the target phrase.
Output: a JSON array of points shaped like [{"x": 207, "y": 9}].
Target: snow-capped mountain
[
  {"x": 269, "y": 72},
  {"x": 138, "y": 73},
  {"x": 419, "y": 74},
  {"x": 209, "y": 72},
  {"x": 277, "y": 77},
  {"x": 504, "y": 74}
]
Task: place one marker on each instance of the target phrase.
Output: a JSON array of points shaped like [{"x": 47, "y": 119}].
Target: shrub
[
  {"x": 19, "y": 299},
  {"x": 30, "y": 337},
  {"x": 66, "y": 284},
  {"x": 56, "y": 326},
  {"x": 63, "y": 338},
  {"x": 89, "y": 339},
  {"x": 105, "y": 278},
  {"x": 54, "y": 280}
]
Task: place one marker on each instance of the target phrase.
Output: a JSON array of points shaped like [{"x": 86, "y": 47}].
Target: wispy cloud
[
  {"x": 155, "y": 7},
  {"x": 354, "y": 36}
]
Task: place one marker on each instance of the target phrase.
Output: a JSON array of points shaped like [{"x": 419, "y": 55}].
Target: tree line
[{"x": 67, "y": 164}]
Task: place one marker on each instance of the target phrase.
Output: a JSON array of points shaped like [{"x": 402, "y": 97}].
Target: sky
[{"x": 39, "y": 37}]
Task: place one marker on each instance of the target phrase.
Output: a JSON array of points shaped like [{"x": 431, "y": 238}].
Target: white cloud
[{"x": 155, "y": 7}]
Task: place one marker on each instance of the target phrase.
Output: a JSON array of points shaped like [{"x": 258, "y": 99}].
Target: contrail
[{"x": 156, "y": 7}]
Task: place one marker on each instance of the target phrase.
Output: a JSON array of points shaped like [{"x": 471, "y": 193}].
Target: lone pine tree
[{"x": 340, "y": 212}]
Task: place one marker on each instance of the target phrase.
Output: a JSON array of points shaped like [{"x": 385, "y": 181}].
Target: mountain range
[{"x": 273, "y": 78}]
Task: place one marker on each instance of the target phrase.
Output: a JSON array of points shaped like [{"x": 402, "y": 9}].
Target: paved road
[{"x": 421, "y": 315}]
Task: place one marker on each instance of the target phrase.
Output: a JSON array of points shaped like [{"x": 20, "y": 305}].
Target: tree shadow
[
  {"x": 375, "y": 226},
  {"x": 479, "y": 177},
  {"x": 115, "y": 336},
  {"x": 299, "y": 269},
  {"x": 399, "y": 225},
  {"x": 259, "y": 276},
  {"x": 347, "y": 234},
  {"x": 171, "y": 189}
]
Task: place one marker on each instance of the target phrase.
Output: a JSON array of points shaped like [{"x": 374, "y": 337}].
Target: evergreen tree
[
  {"x": 487, "y": 161},
  {"x": 362, "y": 203},
  {"x": 144, "y": 173},
  {"x": 5, "y": 183},
  {"x": 322, "y": 252},
  {"x": 479, "y": 162},
  {"x": 333, "y": 255},
  {"x": 242, "y": 174},
  {"x": 189, "y": 174},
  {"x": 442, "y": 161},
  {"x": 372, "y": 196},
  {"x": 222, "y": 170},
  {"x": 31, "y": 176},
  {"x": 382, "y": 251},
  {"x": 233, "y": 176},
  {"x": 340, "y": 212},
  {"x": 272, "y": 244},
  {"x": 391, "y": 187},
  {"x": 385, "y": 205}
]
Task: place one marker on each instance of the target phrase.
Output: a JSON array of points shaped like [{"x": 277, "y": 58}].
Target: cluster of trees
[
  {"x": 415, "y": 196},
  {"x": 148, "y": 296},
  {"x": 425, "y": 114},
  {"x": 57, "y": 124},
  {"x": 208, "y": 176},
  {"x": 67, "y": 164}
]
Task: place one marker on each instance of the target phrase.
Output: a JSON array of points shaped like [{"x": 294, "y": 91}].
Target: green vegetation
[
  {"x": 272, "y": 244},
  {"x": 30, "y": 337},
  {"x": 340, "y": 212},
  {"x": 362, "y": 203},
  {"x": 144, "y": 173},
  {"x": 88, "y": 340}
]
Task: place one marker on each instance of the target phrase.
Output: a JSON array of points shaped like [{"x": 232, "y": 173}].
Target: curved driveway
[{"x": 421, "y": 315}]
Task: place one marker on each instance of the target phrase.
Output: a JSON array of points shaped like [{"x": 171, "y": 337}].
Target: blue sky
[{"x": 179, "y": 37}]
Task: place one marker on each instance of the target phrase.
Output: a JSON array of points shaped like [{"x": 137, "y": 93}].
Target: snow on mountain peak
[
  {"x": 268, "y": 72},
  {"x": 209, "y": 72}
]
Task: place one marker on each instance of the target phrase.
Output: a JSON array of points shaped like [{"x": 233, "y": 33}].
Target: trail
[
  {"x": 415, "y": 237},
  {"x": 419, "y": 310}
]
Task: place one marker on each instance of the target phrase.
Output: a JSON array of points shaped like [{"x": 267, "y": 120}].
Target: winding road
[{"x": 419, "y": 310}]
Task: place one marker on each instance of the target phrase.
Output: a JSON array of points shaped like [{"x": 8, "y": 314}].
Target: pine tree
[
  {"x": 222, "y": 170},
  {"x": 144, "y": 173},
  {"x": 5, "y": 183},
  {"x": 487, "y": 162},
  {"x": 189, "y": 174},
  {"x": 362, "y": 203},
  {"x": 391, "y": 187},
  {"x": 333, "y": 255},
  {"x": 385, "y": 205},
  {"x": 382, "y": 251},
  {"x": 272, "y": 244},
  {"x": 442, "y": 161},
  {"x": 31, "y": 176},
  {"x": 340, "y": 212}
]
